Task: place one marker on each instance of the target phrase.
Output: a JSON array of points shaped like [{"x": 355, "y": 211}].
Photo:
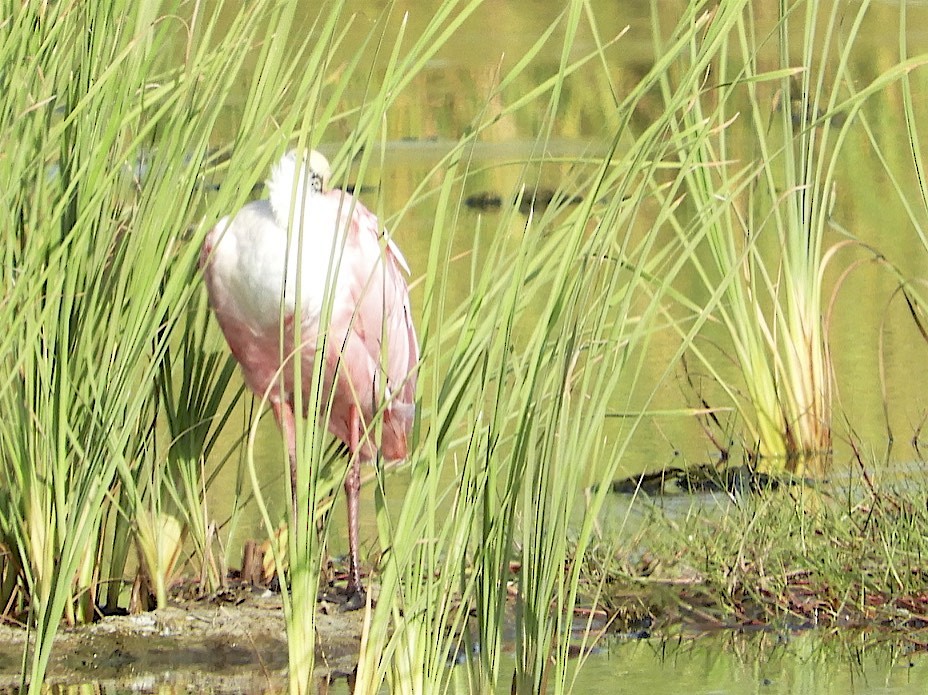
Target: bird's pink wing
[
  {"x": 376, "y": 306},
  {"x": 381, "y": 296}
]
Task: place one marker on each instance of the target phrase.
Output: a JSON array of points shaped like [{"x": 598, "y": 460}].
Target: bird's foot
[{"x": 355, "y": 598}]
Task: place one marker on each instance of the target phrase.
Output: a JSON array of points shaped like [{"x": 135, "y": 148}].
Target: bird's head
[
  {"x": 319, "y": 172},
  {"x": 286, "y": 184}
]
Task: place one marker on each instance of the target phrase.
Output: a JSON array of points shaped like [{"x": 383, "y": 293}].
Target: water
[
  {"x": 776, "y": 663},
  {"x": 869, "y": 326},
  {"x": 734, "y": 663},
  {"x": 877, "y": 351}
]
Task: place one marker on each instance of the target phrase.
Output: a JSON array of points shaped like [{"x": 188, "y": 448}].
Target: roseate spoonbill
[{"x": 371, "y": 353}]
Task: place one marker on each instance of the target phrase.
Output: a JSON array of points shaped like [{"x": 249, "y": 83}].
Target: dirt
[{"x": 221, "y": 645}]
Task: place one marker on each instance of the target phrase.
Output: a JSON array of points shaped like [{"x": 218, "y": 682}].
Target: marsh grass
[
  {"x": 521, "y": 414},
  {"x": 772, "y": 120},
  {"x": 115, "y": 387},
  {"x": 107, "y": 147},
  {"x": 192, "y": 386},
  {"x": 788, "y": 557}
]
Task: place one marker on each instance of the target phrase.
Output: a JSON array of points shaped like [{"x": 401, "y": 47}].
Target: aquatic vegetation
[
  {"x": 761, "y": 145},
  {"x": 789, "y": 556},
  {"x": 98, "y": 284},
  {"x": 130, "y": 129}
]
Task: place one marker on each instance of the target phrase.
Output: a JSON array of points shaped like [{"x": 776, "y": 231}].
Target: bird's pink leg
[
  {"x": 356, "y": 596},
  {"x": 284, "y": 415}
]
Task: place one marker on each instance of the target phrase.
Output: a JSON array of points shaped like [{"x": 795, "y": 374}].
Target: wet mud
[{"x": 199, "y": 644}]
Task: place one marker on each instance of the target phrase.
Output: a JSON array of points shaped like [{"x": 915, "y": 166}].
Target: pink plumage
[{"x": 251, "y": 271}]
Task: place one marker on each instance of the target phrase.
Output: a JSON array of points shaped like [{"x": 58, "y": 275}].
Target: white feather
[{"x": 290, "y": 190}]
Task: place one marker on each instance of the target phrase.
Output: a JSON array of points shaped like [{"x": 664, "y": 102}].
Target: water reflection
[
  {"x": 807, "y": 663},
  {"x": 440, "y": 104},
  {"x": 437, "y": 108}
]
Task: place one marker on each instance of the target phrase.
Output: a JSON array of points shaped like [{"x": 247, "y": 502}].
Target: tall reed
[
  {"x": 395, "y": 59},
  {"x": 913, "y": 288},
  {"x": 107, "y": 122},
  {"x": 551, "y": 339},
  {"x": 110, "y": 125},
  {"x": 771, "y": 118}
]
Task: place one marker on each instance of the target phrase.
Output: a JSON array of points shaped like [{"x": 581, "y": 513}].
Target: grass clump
[
  {"x": 115, "y": 389},
  {"x": 784, "y": 557},
  {"x": 107, "y": 145},
  {"x": 771, "y": 125}
]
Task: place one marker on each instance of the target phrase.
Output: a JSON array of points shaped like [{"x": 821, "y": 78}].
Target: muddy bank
[{"x": 237, "y": 646}]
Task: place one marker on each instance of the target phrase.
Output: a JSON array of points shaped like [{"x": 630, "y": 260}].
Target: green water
[
  {"x": 775, "y": 663},
  {"x": 877, "y": 351},
  {"x": 771, "y": 663}
]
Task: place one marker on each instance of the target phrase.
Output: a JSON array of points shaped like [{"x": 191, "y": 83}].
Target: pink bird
[{"x": 372, "y": 352}]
